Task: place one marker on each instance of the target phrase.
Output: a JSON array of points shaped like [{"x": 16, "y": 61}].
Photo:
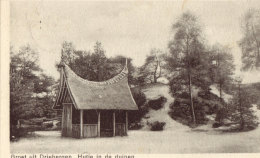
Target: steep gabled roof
[{"x": 107, "y": 95}]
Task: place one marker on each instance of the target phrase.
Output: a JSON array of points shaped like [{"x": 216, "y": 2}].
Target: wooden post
[
  {"x": 81, "y": 123},
  {"x": 126, "y": 122},
  {"x": 62, "y": 122},
  {"x": 69, "y": 119},
  {"x": 98, "y": 124},
  {"x": 114, "y": 124}
]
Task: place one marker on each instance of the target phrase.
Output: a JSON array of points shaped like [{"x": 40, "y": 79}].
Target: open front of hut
[{"x": 94, "y": 109}]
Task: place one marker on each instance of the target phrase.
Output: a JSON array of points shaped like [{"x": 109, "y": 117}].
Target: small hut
[{"x": 94, "y": 109}]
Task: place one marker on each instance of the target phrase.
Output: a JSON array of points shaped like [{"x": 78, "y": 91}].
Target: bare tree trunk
[
  {"x": 160, "y": 69},
  {"x": 191, "y": 99},
  {"x": 154, "y": 77},
  {"x": 99, "y": 73},
  {"x": 220, "y": 91},
  {"x": 155, "y": 71},
  {"x": 219, "y": 78},
  {"x": 190, "y": 84},
  {"x": 240, "y": 109}
]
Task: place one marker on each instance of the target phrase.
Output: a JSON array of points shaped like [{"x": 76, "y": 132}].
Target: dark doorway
[{"x": 106, "y": 124}]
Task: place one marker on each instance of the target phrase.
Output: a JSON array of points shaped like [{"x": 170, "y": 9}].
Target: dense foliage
[
  {"x": 95, "y": 66},
  {"x": 205, "y": 103},
  {"x": 136, "y": 116},
  {"x": 31, "y": 91}
]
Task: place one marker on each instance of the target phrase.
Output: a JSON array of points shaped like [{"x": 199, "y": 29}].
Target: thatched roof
[{"x": 84, "y": 94}]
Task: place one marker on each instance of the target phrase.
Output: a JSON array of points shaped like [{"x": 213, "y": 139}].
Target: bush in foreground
[
  {"x": 180, "y": 111},
  {"x": 156, "y": 126}
]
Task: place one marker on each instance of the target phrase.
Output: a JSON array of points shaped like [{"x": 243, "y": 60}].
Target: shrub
[
  {"x": 136, "y": 116},
  {"x": 200, "y": 110},
  {"x": 221, "y": 115},
  {"x": 16, "y": 133},
  {"x": 140, "y": 99},
  {"x": 180, "y": 111},
  {"x": 157, "y": 103},
  {"x": 208, "y": 95},
  {"x": 156, "y": 126},
  {"x": 216, "y": 125},
  {"x": 183, "y": 95}
]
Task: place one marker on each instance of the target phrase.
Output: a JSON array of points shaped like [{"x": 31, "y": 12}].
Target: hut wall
[
  {"x": 90, "y": 123},
  {"x": 89, "y": 130},
  {"x": 90, "y": 126},
  {"x": 67, "y": 120}
]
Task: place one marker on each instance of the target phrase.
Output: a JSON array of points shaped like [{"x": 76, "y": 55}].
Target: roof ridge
[{"x": 115, "y": 79}]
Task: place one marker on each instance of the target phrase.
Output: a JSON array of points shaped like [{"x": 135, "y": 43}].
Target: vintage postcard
[{"x": 125, "y": 79}]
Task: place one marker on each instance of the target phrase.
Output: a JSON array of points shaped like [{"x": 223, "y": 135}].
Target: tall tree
[
  {"x": 188, "y": 58},
  {"x": 250, "y": 42}
]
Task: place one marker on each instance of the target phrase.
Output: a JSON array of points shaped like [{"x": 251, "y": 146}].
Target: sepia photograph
[{"x": 133, "y": 77}]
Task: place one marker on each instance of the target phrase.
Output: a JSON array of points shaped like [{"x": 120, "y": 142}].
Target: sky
[{"x": 129, "y": 28}]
